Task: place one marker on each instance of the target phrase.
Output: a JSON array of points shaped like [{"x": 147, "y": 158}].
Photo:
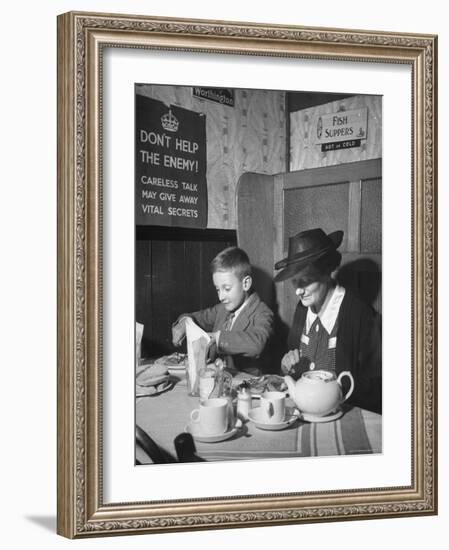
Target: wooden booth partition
[{"x": 345, "y": 197}]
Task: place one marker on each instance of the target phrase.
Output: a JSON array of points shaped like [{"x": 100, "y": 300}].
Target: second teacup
[
  {"x": 272, "y": 404},
  {"x": 212, "y": 416}
]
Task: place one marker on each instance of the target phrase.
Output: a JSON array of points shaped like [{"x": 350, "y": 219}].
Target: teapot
[{"x": 318, "y": 392}]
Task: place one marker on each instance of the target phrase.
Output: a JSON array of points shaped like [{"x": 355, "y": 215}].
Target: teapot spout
[{"x": 291, "y": 384}]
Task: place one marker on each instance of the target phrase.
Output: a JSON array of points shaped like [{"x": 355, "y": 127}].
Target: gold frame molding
[{"x": 81, "y": 37}]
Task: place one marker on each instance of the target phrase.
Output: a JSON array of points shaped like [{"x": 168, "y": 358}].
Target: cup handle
[
  {"x": 351, "y": 389},
  {"x": 195, "y": 415}
]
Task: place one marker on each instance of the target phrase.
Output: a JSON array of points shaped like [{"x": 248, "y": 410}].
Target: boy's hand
[
  {"x": 178, "y": 331},
  {"x": 289, "y": 361}
]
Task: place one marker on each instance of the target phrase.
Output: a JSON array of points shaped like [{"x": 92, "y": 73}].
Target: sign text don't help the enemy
[{"x": 171, "y": 187}]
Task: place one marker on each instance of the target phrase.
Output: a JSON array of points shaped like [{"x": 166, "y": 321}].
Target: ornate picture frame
[{"x": 82, "y": 40}]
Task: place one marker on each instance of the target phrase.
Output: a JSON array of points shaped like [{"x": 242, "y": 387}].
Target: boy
[{"x": 241, "y": 324}]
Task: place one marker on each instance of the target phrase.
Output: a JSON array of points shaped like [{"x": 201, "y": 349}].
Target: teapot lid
[{"x": 319, "y": 375}]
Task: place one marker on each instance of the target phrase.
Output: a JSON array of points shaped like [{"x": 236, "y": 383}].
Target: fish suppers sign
[{"x": 170, "y": 157}]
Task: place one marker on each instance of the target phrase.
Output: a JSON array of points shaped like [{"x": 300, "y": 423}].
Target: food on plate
[
  {"x": 256, "y": 385},
  {"x": 172, "y": 360},
  {"x": 267, "y": 382},
  {"x": 153, "y": 375},
  {"x": 275, "y": 383},
  {"x": 142, "y": 391}
]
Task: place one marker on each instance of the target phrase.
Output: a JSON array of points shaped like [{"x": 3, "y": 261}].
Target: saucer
[
  {"x": 194, "y": 431},
  {"x": 255, "y": 416},
  {"x": 327, "y": 418}
]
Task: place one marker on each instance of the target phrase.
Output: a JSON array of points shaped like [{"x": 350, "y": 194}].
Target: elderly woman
[{"x": 332, "y": 328}]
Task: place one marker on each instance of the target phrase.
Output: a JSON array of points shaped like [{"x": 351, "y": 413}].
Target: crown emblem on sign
[{"x": 170, "y": 122}]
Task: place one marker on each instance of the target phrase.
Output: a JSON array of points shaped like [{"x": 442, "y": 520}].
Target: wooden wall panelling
[
  {"x": 159, "y": 305},
  {"x": 371, "y": 211},
  {"x": 354, "y": 216},
  {"x": 322, "y": 205},
  {"x": 194, "y": 276},
  {"x": 342, "y": 172},
  {"x": 173, "y": 277},
  {"x": 255, "y": 230},
  {"x": 178, "y": 284},
  {"x": 143, "y": 290},
  {"x": 279, "y": 243},
  {"x": 140, "y": 256}
]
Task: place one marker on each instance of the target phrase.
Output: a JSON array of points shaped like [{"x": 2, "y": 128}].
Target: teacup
[
  {"x": 212, "y": 416},
  {"x": 272, "y": 405}
]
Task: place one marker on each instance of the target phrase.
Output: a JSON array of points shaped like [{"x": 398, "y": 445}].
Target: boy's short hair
[{"x": 232, "y": 259}]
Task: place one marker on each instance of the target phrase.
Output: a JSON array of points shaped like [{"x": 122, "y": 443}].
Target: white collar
[
  {"x": 236, "y": 313},
  {"x": 330, "y": 313}
]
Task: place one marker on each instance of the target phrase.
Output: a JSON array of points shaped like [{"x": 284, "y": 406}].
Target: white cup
[
  {"x": 272, "y": 404},
  {"x": 212, "y": 416}
]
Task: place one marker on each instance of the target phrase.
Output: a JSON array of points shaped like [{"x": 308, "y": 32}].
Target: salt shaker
[{"x": 244, "y": 401}]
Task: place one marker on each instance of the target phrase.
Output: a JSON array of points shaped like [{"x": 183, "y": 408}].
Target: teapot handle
[{"x": 351, "y": 389}]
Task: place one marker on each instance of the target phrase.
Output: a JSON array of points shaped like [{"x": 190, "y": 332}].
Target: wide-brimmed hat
[{"x": 304, "y": 248}]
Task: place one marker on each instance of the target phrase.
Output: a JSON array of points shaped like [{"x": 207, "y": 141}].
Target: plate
[
  {"x": 194, "y": 431},
  {"x": 144, "y": 391},
  {"x": 175, "y": 361},
  {"x": 255, "y": 416},
  {"x": 328, "y": 418}
]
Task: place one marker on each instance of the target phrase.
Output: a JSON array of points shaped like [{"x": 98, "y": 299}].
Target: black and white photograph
[
  {"x": 224, "y": 239},
  {"x": 258, "y": 274}
]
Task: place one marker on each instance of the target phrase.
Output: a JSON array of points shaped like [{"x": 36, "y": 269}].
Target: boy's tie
[{"x": 228, "y": 322}]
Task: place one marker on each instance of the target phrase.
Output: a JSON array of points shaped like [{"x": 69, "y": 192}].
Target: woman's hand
[{"x": 290, "y": 360}]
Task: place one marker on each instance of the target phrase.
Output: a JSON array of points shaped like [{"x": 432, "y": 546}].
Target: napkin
[
  {"x": 139, "y": 334},
  {"x": 197, "y": 345}
]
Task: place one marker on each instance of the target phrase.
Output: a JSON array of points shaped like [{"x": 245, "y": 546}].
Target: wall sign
[
  {"x": 347, "y": 128},
  {"x": 341, "y": 145},
  {"x": 219, "y": 95},
  {"x": 171, "y": 185}
]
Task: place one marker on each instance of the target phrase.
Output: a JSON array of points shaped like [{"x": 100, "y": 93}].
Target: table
[{"x": 166, "y": 415}]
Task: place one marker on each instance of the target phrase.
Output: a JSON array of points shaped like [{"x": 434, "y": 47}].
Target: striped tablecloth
[{"x": 164, "y": 416}]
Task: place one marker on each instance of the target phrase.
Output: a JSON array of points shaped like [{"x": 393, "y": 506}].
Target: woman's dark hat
[{"x": 304, "y": 248}]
